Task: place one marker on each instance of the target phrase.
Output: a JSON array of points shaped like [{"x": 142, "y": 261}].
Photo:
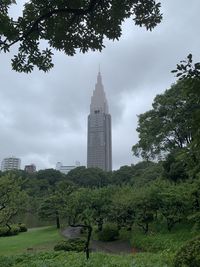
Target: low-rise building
[
  {"x": 66, "y": 168},
  {"x": 31, "y": 168}
]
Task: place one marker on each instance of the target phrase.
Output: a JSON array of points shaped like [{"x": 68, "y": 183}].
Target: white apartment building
[
  {"x": 10, "y": 163},
  {"x": 66, "y": 168}
]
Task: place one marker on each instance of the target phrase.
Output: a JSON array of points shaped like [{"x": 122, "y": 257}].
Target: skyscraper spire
[
  {"x": 99, "y": 78},
  {"x": 98, "y": 99}
]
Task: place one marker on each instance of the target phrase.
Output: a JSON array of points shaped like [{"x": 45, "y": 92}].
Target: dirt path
[
  {"x": 114, "y": 247},
  {"x": 72, "y": 232},
  {"x": 118, "y": 246}
]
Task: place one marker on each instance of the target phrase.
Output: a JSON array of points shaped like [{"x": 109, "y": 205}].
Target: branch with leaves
[{"x": 68, "y": 26}]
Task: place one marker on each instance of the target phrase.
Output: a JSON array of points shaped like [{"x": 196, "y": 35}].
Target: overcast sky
[{"x": 44, "y": 116}]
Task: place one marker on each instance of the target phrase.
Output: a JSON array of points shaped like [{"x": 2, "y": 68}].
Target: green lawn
[
  {"x": 35, "y": 240},
  {"x": 157, "y": 250}
]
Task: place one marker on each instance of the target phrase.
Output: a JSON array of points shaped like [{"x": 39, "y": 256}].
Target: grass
[
  {"x": 35, "y": 240},
  {"x": 162, "y": 240},
  {"x": 157, "y": 249},
  {"x": 73, "y": 259}
]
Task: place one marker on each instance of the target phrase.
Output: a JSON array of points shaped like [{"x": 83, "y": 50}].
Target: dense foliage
[
  {"x": 61, "y": 259},
  {"x": 189, "y": 254},
  {"x": 75, "y": 244},
  {"x": 12, "y": 199},
  {"x": 109, "y": 233}
]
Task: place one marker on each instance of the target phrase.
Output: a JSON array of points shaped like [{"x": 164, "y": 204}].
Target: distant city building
[
  {"x": 66, "y": 168},
  {"x": 10, "y": 163},
  {"x": 99, "y": 143},
  {"x": 30, "y": 168}
]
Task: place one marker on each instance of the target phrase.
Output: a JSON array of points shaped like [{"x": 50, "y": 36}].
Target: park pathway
[{"x": 113, "y": 247}]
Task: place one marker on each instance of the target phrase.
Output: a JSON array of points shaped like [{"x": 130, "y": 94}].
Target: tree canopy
[
  {"x": 68, "y": 26},
  {"x": 189, "y": 72},
  {"x": 88, "y": 177},
  {"x": 169, "y": 125},
  {"x": 12, "y": 198}
]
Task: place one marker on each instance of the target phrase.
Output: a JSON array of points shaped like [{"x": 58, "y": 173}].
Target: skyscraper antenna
[{"x": 99, "y": 68}]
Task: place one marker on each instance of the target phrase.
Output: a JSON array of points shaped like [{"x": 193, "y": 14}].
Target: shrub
[
  {"x": 109, "y": 233},
  {"x": 13, "y": 231},
  {"x": 22, "y": 227},
  {"x": 76, "y": 244},
  {"x": 5, "y": 231},
  {"x": 189, "y": 254}
]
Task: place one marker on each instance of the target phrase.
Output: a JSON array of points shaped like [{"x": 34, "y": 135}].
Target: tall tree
[
  {"x": 80, "y": 213},
  {"x": 12, "y": 198},
  {"x": 189, "y": 72},
  {"x": 168, "y": 126},
  {"x": 54, "y": 206},
  {"x": 121, "y": 209},
  {"x": 173, "y": 202},
  {"x": 68, "y": 26}
]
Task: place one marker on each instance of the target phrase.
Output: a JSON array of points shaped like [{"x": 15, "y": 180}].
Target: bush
[
  {"x": 5, "y": 231},
  {"x": 22, "y": 227},
  {"x": 76, "y": 244},
  {"x": 109, "y": 233},
  {"x": 13, "y": 231},
  {"x": 189, "y": 254}
]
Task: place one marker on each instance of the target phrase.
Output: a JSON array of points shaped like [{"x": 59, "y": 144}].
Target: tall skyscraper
[{"x": 99, "y": 143}]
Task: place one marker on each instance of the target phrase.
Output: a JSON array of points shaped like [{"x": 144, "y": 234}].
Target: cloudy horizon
[{"x": 44, "y": 115}]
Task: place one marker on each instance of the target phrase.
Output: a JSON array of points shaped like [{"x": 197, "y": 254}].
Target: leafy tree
[
  {"x": 123, "y": 175},
  {"x": 194, "y": 191},
  {"x": 68, "y": 26},
  {"x": 53, "y": 206},
  {"x": 145, "y": 204},
  {"x": 121, "y": 210},
  {"x": 101, "y": 205},
  {"x": 12, "y": 199},
  {"x": 146, "y": 172},
  {"x": 189, "y": 72},
  {"x": 81, "y": 212},
  {"x": 176, "y": 166},
  {"x": 174, "y": 203},
  {"x": 168, "y": 125},
  {"x": 48, "y": 178},
  {"x": 88, "y": 177},
  {"x": 49, "y": 210},
  {"x": 138, "y": 174}
]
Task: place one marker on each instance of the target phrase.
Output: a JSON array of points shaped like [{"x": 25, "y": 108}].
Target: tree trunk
[
  {"x": 146, "y": 228},
  {"x": 9, "y": 228},
  {"x": 57, "y": 221},
  {"x": 87, "y": 243},
  {"x": 100, "y": 224}
]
